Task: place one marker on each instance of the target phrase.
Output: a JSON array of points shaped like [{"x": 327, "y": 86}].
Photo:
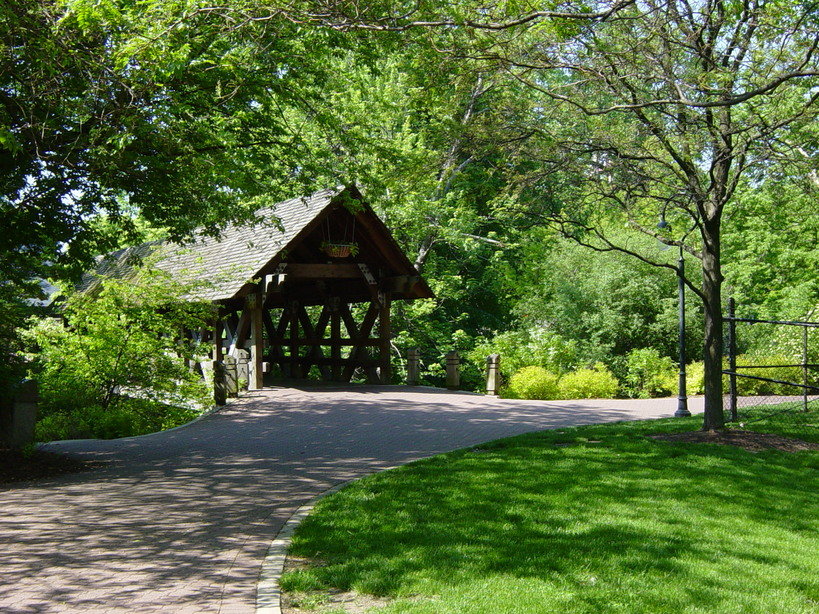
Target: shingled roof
[{"x": 226, "y": 264}]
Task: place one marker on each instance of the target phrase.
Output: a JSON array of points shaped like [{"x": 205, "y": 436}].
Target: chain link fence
[{"x": 771, "y": 373}]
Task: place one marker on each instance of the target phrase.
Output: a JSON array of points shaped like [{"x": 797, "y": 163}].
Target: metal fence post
[
  {"x": 453, "y": 374},
  {"x": 732, "y": 358},
  {"x": 805, "y": 368}
]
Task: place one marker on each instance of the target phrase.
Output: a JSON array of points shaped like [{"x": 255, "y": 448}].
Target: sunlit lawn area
[{"x": 592, "y": 519}]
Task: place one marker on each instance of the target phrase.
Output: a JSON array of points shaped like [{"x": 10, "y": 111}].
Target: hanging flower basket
[{"x": 339, "y": 250}]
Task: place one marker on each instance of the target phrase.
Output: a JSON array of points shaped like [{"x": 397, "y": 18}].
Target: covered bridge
[{"x": 308, "y": 289}]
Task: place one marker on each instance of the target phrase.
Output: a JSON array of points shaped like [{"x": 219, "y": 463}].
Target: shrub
[
  {"x": 532, "y": 347},
  {"x": 695, "y": 378},
  {"x": 754, "y": 387},
  {"x": 595, "y": 383},
  {"x": 123, "y": 337},
  {"x": 130, "y": 417},
  {"x": 533, "y": 383},
  {"x": 649, "y": 374},
  {"x": 117, "y": 367},
  {"x": 59, "y": 426}
]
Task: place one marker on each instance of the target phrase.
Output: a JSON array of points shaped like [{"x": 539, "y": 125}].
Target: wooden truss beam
[{"x": 335, "y": 270}]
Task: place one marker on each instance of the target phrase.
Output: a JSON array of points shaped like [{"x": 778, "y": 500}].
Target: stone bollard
[
  {"x": 453, "y": 370},
  {"x": 493, "y": 374},
  {"x": 231, "y": 376},
  {"x": 243, "y": 368},
  {"x": 18, "y": 415},
  {"x": 414, "y": 367},
  {"x": 219, "y": 383}
]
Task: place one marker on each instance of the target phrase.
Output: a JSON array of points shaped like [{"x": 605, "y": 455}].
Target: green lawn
[
  {"x": 592, "y": 519},
  {"x": 786, "y": 419}
]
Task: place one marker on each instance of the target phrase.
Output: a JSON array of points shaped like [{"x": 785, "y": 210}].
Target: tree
[
  {"x": 121, "y": 338},
  {"x": 770, "y": 251},
  {"x": 639, "y": 110},
  {"x": 110, "y": 106},
  {"x": 608, "y": 303},
  {"x": 660, "y": 111},
  {"x": 169, "y": 110}
]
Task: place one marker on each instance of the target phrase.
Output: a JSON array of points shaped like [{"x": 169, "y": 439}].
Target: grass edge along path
[{"x": 588, "y": 519}]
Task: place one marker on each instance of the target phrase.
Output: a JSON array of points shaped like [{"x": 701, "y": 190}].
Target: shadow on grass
[
  {"x": 181, "y": 520},
  {"x": 620, "y": 522}
]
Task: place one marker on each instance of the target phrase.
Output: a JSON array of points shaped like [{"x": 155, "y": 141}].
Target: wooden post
[
  {"x": 218, "y": 328},
  {"x": 18, "y": 414},
  {"x": 239, "y": 338},
  {"x": 295, "y": 370},
  {"x": 335, "y": 339},
  {"x": 492, "y": 374},
  {"x": 453, "y": 370},
  {"x": 254, "y": 305},
  {"x": 384, "y": 331},
  {"x": 413, "y": 367}
]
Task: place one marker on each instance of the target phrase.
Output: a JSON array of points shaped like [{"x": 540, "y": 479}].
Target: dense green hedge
[
  {"x": 747, "y": 386},
  {"x": 595, "y": 383},
  {"x": 130, "y": 417},
  {"x": 533, "y": 383},
  {"x": 540, "y": 383}
]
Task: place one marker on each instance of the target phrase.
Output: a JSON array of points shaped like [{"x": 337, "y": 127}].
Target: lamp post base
[{"x": 682, "y": 408}]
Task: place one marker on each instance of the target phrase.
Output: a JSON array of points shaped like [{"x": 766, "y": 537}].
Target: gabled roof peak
[{"x": 226, "y": 263}]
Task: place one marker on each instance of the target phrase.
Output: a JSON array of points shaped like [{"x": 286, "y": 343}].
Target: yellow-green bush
[
  {"x": 532, "y": 383},
  {"x": 595, "y": 383},
  {"x": 650, "y": 374},
  {"x": 695, "y": 378},
  {"x": 747, "y": 386}
]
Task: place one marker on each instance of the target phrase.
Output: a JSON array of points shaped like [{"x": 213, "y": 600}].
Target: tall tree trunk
[{"x": 712, "y": 291}]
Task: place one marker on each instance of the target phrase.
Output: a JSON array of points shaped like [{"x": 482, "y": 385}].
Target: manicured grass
[
  {"x": 786, "y": 419},
  {"x": 592, "y": 519}
]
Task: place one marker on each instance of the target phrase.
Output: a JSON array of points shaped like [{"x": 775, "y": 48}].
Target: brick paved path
[{"x": 180, "y": 521}]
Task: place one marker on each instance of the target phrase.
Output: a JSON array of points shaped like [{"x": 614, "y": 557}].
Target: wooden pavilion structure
[{"x": 307, "y": 289}]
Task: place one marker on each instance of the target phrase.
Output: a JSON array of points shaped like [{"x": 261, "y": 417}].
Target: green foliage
[
  {"x": 118, "y": 342},
  {"x": 649, "y": 374},
  {"x": 129, "y": 418},
  {"x": 595, "y": 383},
  {"x": 768, "y": 366},
  {"x": 607, "y": 304},
  {"x": 532, "y": 383},
  {"x": 520, "y": 348},
  {"x": 126, "y": 120},
  {"x": 14, "y": 309},
  {"x": 695, "y": 378},
  {"x": 770, "y": 249},
  {"x": 157, "y": 107}
]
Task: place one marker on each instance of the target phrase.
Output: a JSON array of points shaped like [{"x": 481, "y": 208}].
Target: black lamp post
[{"x": 682, "y": 398}]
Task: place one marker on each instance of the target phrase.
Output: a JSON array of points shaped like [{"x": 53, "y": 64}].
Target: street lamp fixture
[{"x": 682, "y": 398}]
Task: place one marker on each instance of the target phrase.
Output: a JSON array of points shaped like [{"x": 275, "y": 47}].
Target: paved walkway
[{"x": 180, "y": 521}]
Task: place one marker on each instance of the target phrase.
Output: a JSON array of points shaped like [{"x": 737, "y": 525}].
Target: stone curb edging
[{"x": 268, "y": 592}]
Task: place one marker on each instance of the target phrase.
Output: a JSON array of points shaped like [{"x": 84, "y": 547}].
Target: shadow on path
[{"x": 180, "y": 521}]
